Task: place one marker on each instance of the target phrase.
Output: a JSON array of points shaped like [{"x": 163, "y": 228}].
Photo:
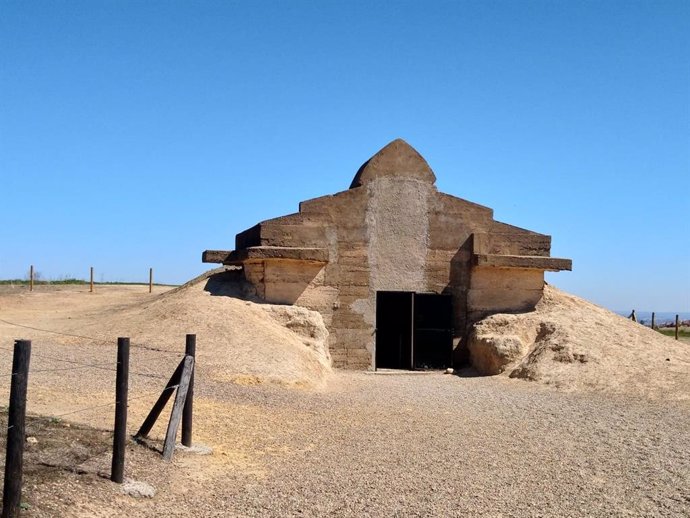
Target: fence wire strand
[
  {"x": 83, "y": 337},
  {"x": 53, "y": 417},
  {"x": 81, "y": 365},
  {"x": 89, "y": 366}
]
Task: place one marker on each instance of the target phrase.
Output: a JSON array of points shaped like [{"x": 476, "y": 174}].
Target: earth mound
[
  {"x": 573, "y": 344},
  {"x": 238, "y": 340}
]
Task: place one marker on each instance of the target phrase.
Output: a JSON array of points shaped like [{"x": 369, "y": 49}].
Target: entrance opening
[
  {"x": 394, "y": 329},
  {"x": 413, "y": 330}
]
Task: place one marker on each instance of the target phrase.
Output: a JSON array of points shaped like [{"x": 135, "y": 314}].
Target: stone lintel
[
  {"x": 262, "y": 253},
  {"x": 552, "y": 264},
  {"x": 215, "y": 256}
]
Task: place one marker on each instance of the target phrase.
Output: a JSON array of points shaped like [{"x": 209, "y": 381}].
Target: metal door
[
  {"x": 413, "y": 330},
  {"x": 394, "y": 329},
  {"x": 432, "y": 341}
]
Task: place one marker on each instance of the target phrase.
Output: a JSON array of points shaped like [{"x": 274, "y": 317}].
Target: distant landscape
[
  {"x": 70, "y": 280},
  {"x": 661, "y": 318}
]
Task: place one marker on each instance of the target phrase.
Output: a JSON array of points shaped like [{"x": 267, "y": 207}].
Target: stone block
[
  {"x": 254, "y": 274},
  {"x": 358, "y": 291},
  {"x": 249, "y": 237},
  {"x": 302, "y": 236},
  {"x": 523, "y": 261},
  {"x": 506, "y": 279},
  {"x": 499, "y": 300},
  {"x": 446, "y": 238},
  {"x": 352, "y": 237}
]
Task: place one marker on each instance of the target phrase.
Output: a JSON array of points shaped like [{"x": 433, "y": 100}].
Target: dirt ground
[{"x": 358, "y": 444}]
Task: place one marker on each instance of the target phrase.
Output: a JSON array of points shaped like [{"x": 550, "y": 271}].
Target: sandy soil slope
[
  {"x": 574, "y": 345},
  {"x": 240, "y": 341}
]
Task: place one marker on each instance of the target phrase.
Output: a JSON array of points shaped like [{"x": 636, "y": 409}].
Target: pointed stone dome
[{"x": 396, "y": 159}]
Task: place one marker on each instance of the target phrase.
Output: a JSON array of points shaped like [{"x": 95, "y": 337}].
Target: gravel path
[
  {"x": 403, "y": 445},
  {"x": 371, "y": 445},
  {"x": 437, "y": 445}
]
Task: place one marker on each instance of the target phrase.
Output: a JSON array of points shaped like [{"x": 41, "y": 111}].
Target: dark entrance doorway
[
  {"x": 394, "y": 329},
  {"x": 413, "y": 330}
]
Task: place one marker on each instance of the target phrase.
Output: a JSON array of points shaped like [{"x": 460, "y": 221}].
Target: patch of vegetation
[
  {"x": 124, "y": 283},
  {"x": 24, "y": 282},
  {"x": 670, "y": 331}
]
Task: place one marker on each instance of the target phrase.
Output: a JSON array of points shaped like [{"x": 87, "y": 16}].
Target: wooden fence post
[
  {"x": 677, "y": 326},
  {"x": 653, "y": 320},
  {"x": 120, "y": 435},
  {"x": 91, "y": 282},
  {"x": 31, "y": 278},
  {"x": 159, "y": 405},
  {"x": 12, "y": 491},
  {"x": 178, "y": 407},
  {"x": 150, "y": 280},
  {"x": 187, "y": 413}
]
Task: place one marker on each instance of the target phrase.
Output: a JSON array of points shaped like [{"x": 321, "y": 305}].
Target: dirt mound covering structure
[
  {"x": 567, "y": 342},
  {"x": 573, "y": 344},
  {"x": 238, "y": 340}
]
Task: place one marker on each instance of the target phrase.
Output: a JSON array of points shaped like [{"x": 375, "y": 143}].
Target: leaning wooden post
[
  {"x": 12, "y": 491},
  {"x": 677, "y": 326},
  {"x": 178, "y": 407},
  {"x": 190, "y": 350},
  {"x": 150, "y": 280},
  {"x": 159, "y": 405},
  {"x": 91, "y": 281},
  {"x": 653, "y": 320},
  {"x": 31, "y": 278},
  {"x": 120, "y": 436}
]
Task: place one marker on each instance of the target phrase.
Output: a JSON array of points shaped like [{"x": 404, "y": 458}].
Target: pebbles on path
[{"x": 452, "y": 446}]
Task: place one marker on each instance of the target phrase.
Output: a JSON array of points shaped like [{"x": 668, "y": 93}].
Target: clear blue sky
[{"x": 139, "y": 133}]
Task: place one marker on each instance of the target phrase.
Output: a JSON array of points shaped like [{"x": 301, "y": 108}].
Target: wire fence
[
  {"x": 35, "y": 278},
  {"x": 676, "y": 325},
  {"x": 110, "y": 366},
  {"x": 49, "y": 363},
  {"x": 76, "y": 366},
  {"x": 105, "y": 341}
]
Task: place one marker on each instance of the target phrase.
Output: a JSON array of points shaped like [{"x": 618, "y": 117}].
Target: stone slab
[
  {"x": 260, "y": 253},
  {"x": 215, "y": 256},
  {"x": 551, "y": 264}
]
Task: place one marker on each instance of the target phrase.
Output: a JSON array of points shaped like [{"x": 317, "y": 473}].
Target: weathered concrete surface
[
  {"x": 523, "y": 261},
  {"x": 398, "y": 159},
  {"x": 215, "y": 256},
  {"x": 391, "y": 231},
  {"x": 259, "y": 253}
]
